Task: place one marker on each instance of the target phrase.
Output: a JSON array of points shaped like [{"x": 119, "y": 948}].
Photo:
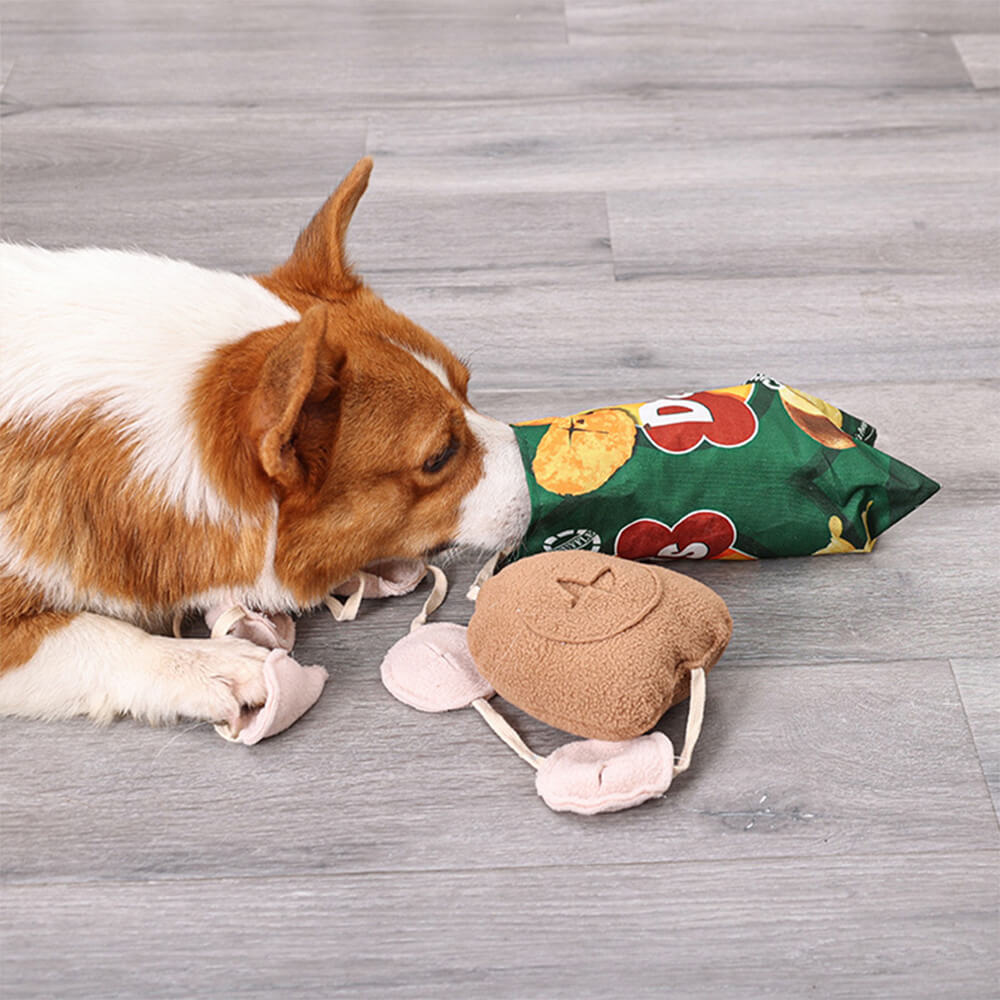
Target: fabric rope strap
[
  {"x": 342, "y": 611},
  {"x": 696, "y": 715},
  {"x": 506, "y": 732},
  {"x": 485, "y": 572},
  {"x": 223, "y": 623},
  {"x": 435, "y": 598},
  {"x": 345, "y": 611},
  {"x": 227, "y": 620}
]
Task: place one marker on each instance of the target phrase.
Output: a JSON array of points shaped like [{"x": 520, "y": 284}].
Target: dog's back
[
  {"x": 99, "y": 458},
  {"x": 124, "y": 336}
]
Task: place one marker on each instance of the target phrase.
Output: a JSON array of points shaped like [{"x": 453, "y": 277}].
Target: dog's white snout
[{"x": 496, "y": 513}]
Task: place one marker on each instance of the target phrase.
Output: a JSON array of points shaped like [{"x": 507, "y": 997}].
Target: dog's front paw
[{"x": 212, "y": 680}]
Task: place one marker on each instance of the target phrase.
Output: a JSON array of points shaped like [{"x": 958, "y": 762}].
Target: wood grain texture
[
  {"x": 981, "y": 56},
  {"x": 263, "y": 23},
  {"x": 54, "y": 154},
  {"x": 800, "y": 761},
  {"x": 601, "y": 18},
  {"x": 689, "y": 139},
  {"x": 792, "y": 227},
  {"x": 637, "y": 340},
  {"x": 462, "y": 240},
  {"x": 330, "y": 72},
  {"x": 596, "y": 202},
  {"x": 785, "y": 928},
  {"x": 979, "y": 684}
]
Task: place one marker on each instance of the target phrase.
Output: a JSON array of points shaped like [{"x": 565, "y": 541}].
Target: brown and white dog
[{"x": 172, "y": 436}]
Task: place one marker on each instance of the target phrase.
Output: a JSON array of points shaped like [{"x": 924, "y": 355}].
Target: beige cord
[
  {"x": 346, "y": 611},
  {"x": 696, "y": 715},
  {"x": 503, "y": 729},
  {"x": 227, "y": 620},
  {"x": 435, "y": 598},
  {"x": 342, "y": 611},
  {"x": 222, "y": 625},
  {"x": 485, "y": 572}
]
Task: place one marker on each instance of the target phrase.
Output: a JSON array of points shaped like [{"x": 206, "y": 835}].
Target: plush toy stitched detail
[{"x": 589, "y": 643}]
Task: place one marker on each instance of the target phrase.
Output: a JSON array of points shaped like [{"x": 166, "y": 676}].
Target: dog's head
[{"x": 357, "y": 421}]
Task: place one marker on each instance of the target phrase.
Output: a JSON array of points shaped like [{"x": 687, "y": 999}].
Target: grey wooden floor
[{"x": 596, "y": 202}]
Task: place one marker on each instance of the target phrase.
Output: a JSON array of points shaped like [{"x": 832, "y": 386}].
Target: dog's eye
[{"x": 437, "y": 462}]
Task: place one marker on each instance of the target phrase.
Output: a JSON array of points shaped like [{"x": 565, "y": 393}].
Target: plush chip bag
[{"x": 748, "y": 472}]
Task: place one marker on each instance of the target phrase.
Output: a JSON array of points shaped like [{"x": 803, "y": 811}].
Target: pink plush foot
[
  {"x": 387, "y": 578},
  {"x": 593, "y": 776},
  {"x": 275, "y": 631},
  {"x": 291, "y": 691}
]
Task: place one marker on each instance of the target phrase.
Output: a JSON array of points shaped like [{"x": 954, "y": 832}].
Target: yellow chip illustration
[
  {"x": 580, "y": 453},
  {"x": 818, "y": 419}
]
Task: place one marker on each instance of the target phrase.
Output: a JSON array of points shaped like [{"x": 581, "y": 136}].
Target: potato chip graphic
[
  {"x": 580, "y": 453},
  {"x": 840, "y": 544},
  {"x": 821, "y": 421}
]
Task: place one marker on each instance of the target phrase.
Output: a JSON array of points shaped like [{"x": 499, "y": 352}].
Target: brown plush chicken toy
[{"x": 592, "y": 644}]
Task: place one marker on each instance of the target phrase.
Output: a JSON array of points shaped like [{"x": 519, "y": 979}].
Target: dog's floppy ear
[
  {"x": 318, "y": 264},
  {"x": 296, "y": 403}
]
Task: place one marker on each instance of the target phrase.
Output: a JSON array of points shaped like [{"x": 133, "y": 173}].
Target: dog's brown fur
[{"x": 305, "y": 415}]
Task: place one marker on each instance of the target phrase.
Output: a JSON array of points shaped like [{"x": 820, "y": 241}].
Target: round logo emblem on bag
[{"x": 573, "y": 539}]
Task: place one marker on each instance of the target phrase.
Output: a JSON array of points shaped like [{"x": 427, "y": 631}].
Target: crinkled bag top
[{"x": 747, "y": 472}]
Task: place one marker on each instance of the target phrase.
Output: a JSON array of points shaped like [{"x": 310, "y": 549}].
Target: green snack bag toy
[{"x": 748, "y": 472}]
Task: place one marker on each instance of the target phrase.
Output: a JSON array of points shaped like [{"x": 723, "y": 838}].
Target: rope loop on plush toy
[
  {"x": 696, "y": 715},
  {"x": 347, "y": 610},
  {"x": 439, "y": 591},
  {"x": 342, "y": 611},
  {"x": 227, "y": 620},
  {"x": 507, "y": 733},
  {"x": 485, "y": 572}
]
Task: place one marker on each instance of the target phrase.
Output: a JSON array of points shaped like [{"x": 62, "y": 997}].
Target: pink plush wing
[
  {"x": 432, "y": 669},
  {"x": 593, "y": 776}
]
